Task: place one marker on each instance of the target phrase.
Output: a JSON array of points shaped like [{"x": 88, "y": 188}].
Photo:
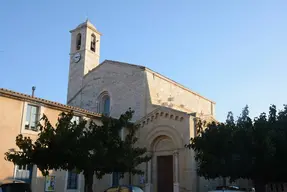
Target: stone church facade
[{"x": 165, "y": 110}]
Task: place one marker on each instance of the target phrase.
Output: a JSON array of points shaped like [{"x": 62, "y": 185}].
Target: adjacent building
[{"x": 19, "y": 114}]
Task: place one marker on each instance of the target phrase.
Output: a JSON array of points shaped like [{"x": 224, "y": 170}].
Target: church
[{"x": 165, "y": 109}]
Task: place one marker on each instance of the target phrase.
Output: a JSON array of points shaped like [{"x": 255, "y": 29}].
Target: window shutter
[{"x": 23, "y": 173}]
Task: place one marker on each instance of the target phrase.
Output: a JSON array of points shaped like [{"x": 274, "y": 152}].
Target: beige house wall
[
  {"x": 10, "y": 125},
  {"x": 12, "y": 115}
]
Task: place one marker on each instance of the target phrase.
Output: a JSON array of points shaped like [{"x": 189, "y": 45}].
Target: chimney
[{"x": 33, "y": 90}]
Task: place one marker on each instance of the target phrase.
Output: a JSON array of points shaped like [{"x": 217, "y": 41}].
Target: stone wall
[
  {"x": 125, "y": 85},
  {"x": 165, "y": 92}
]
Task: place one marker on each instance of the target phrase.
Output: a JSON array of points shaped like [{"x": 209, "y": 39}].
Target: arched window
[
  {"x": 79, "y": 41},
  {"x": 104, "y": 103},
  {"x": 93, "y": 43}
]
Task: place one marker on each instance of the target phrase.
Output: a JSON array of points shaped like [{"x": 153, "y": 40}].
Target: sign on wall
[
  {"x": 142, "y": 179},
  {"x": 50, "y": 183}
]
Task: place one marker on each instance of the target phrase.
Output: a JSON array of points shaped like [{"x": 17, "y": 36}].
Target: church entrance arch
[
  {"x": 163, "y": 163},
  {"x": 164, "y": 141}
]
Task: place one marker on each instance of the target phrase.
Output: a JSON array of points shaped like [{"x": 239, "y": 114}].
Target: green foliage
[
  {"x": 250, "y": 149},
  {"x": 84, "y": 146},
  {"x": 133, "y": 155}
]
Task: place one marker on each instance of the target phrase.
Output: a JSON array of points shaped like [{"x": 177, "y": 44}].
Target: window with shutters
[
  {"x": 23, "y": 173},
  {"x": 32, "y": 117},
  {"x": 115, "y": 178},
  {"x": 72, "y": 180}
]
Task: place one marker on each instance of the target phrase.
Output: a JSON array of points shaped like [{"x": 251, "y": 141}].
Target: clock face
[{"x": 77, "y": 57}]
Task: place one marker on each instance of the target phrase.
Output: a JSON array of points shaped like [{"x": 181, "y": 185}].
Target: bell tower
[{"x": 84, "y": 56}]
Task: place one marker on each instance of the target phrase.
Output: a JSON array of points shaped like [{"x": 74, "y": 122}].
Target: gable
[
  {"x": 154, "y": 89},
  {"x": 108, "y": 65}
]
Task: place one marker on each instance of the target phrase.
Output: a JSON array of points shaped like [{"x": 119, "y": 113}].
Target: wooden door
[{"x": 165, "y": 173}]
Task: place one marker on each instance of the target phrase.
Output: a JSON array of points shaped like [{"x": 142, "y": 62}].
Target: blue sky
[{"x": 233, "y": 52}]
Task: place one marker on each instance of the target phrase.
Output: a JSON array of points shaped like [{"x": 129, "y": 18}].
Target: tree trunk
[
  {"x": 89, "y": 177},
  {"x": 130, "y": 178},
  {"x": 259, "y": 186},
  {"x": 224, "y": 181}
]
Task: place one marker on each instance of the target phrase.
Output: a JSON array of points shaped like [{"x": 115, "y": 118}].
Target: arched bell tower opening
[
  {"x": 78, "y": 41},
  {"x": 93, "y": 42}
]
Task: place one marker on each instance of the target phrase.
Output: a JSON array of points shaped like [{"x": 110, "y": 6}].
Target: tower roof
[{"x": 88, "y": 24}]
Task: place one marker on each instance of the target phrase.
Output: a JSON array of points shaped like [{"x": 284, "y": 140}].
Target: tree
[
  {"x": 212, "y": 152},
  {"x": 245, "y": 149},
  {"x": 269, "y": 148},
  {"x": 85, "y": 147},
  {"x": 130, "y": 154},
  {"x": 133, "y": 155}
]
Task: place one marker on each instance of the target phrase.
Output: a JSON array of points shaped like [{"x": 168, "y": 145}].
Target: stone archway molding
[
  {"x": 164, "y": 130},
  {"x": 160, "y": 139}
]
